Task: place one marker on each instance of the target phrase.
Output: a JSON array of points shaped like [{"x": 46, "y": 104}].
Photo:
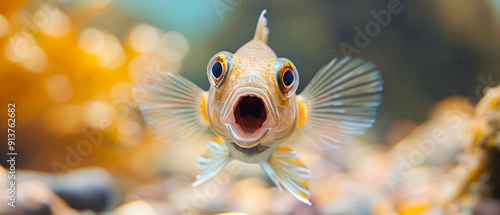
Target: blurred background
[{"x": 83, "y": 147}]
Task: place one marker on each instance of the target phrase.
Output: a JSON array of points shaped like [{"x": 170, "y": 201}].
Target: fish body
[
  {"x": 253, "y": 108},
  {"x": 249, "y": 113}
]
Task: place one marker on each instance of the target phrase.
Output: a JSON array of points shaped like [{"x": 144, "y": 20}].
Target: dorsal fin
[{"x": 262, "y": 31}]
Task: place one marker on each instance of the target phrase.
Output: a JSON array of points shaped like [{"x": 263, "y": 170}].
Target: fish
[{"x": 253, "y": 108}]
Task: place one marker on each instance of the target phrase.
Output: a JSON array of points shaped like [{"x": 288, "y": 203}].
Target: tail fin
[{"x": 262, "y": 31}]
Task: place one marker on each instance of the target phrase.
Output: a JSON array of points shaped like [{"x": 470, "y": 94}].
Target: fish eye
[
  {"x": 218, "y": 68},
  {"x": 287, "y": 76}
]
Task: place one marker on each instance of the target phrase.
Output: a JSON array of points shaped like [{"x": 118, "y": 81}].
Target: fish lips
[{"x": 249, "y": 116}]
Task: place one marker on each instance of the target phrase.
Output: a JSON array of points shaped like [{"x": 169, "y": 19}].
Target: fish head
[{"x": 252, "y": 100}]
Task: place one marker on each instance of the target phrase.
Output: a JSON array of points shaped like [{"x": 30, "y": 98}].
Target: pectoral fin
[
  {"x": 340, "y": 102},
  {"x": 285, "y": 169},
  {"x": 214, "y": 159},
  {"x": 172, "y": 105}
]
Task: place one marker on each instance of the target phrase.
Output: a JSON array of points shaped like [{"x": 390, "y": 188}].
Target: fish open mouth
[
  {"x": 250, "y": 113},
  {"x": 249, "y": 116}
]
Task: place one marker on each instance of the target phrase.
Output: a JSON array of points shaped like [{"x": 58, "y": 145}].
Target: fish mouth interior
[{"x": 250, "y": 113}]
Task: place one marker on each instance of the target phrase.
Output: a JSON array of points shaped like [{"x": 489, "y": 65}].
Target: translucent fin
[
  {"x": 262, "y": 31},
  {"x": 285, "y": 169},
  {"x": 340, "y": 102},
  {"x": 172, "y": 105},
  {"x": 214, "y": 159}
]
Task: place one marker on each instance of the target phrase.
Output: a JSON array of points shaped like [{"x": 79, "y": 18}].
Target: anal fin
[
  {"x": 210, "y": 163},
  {"x": 286, "y": 170}
]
